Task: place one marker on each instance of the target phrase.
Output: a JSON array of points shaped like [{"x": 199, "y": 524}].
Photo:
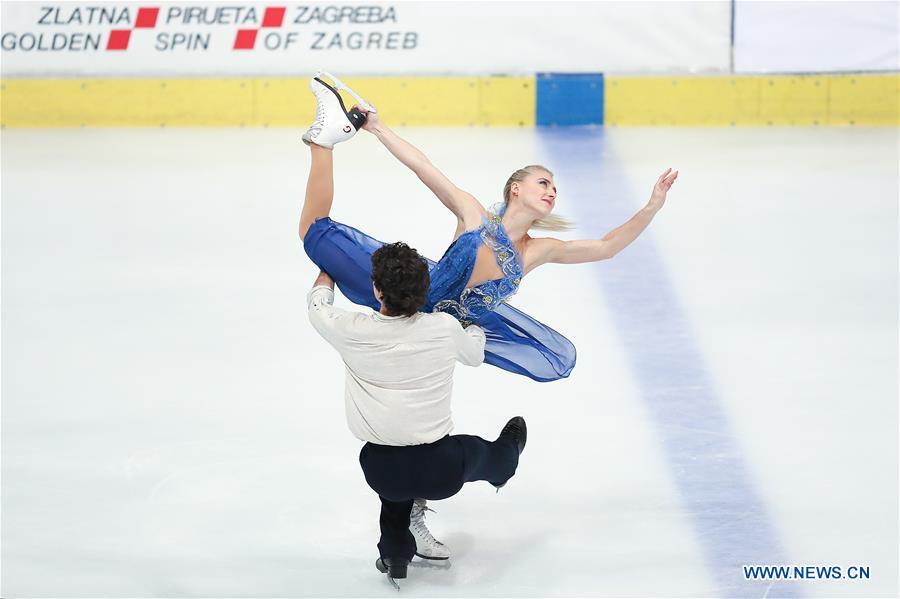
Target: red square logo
[
  {"x": 146, "y": 18},
  {"x": 118, "y": 39},
  {"x": 245, "y": 39},
  {"x": 273, "y": 17}
]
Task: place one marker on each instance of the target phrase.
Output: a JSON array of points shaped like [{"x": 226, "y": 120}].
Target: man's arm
[
  {"x": 322, "y": 314},
  {"x": 469, "y": 344}
]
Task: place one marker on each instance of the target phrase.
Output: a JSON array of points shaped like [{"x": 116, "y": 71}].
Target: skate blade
[
  {"x": 340, "y": 85},
  {"x": 432, "y": 558},
  {"x": 393, "y": 582},
  {"x": 431, "y": 564}
]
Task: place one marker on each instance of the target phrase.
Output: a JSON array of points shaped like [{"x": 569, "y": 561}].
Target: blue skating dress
[{"x": 515, "y": 341}]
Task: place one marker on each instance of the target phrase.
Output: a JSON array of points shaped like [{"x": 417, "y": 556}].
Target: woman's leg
[{"x": 319, "y": 187}]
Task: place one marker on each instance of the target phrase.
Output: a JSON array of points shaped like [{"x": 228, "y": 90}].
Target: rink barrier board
[
  {"x": 852, "y": 99},
  {"x": 276, "y": 102},
  {"x": 569, "y": 99},
  {"x": 547, "y": 99}
]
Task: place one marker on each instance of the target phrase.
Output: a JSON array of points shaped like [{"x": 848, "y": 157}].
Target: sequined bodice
[{"x": 449, "y": 276}]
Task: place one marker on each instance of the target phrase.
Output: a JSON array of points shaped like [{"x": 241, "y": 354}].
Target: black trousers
[{"x": 431, "y": 471}]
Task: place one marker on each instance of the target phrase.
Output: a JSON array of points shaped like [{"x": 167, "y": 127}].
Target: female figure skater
[{"x": 491, "y": 252}]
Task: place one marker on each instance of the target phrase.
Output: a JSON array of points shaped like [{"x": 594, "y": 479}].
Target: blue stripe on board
[
  {"x": 728, "y": 515},
  {"x": 569, "y": 99}
]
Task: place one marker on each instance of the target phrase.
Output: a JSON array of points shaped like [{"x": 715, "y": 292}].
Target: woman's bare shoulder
[
  {"x": 539, "y": 250},
  {"x": 474, "y": 213},
  {"x": 470, "y": 219},
  {"x": 539, "y": 243}
]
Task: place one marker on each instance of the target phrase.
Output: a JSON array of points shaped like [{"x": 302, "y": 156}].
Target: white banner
[
  {"x": 47, "y": 39},
  {"x": 792, "y": 37}
]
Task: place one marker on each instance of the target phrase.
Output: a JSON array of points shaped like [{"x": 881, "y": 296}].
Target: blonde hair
[{"x": 551, "y": 222}]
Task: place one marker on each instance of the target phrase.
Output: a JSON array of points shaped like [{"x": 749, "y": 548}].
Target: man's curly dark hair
[{"x": 401, "y": 275}]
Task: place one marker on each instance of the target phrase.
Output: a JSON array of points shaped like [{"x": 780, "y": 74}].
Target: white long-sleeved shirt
[{"x": 399, "y": 368}]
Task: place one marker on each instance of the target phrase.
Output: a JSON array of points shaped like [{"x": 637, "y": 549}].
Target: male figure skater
[{"x": 399, "y": 381}]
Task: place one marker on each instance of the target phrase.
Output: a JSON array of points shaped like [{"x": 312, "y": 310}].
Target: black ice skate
[
  {"x": 394, "y": 568},
  {"x": 515, "y": 430}
]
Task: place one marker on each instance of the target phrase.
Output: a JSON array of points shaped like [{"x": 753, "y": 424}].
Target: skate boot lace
[
  {"x": 417, "y": 518},
  {"x": 319, "y": 123},
  {"x": 320, "y": 113}
]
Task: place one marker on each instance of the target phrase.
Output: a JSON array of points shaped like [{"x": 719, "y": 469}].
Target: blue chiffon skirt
[{"x": 515, "y": 341}]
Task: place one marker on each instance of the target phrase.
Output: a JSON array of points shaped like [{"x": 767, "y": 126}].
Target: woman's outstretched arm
[
  {"x": 459, "y": 202},
  {"x": 592, "y": 250}
]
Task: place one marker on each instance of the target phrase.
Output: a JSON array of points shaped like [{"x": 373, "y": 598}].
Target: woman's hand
[
  {"x": 663, "y": 184},
  {"x": 371, "y": 119}
]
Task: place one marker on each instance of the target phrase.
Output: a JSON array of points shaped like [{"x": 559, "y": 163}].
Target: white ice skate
[
  {"x": 427, "y": 546},
  {"x": 334, "y": 123}
]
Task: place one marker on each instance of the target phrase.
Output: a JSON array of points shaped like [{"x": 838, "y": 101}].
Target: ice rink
[{"x": 173, "y": 427}]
